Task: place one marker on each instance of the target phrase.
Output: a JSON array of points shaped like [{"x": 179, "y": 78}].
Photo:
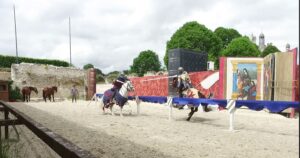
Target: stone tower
[
  {"x": 253, "y": 38},
  {"x": 287, "y": 47},
  {"x": 261, "y": 44}
]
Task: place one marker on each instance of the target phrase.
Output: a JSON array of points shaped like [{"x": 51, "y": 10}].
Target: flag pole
[
  {"x": 16, "y": 41},
  {"x": 70, "y": 40}
]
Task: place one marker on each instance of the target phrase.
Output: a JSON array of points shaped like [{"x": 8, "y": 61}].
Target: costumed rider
[
  {"x": 122, "y": 78},
  {"x": 184, "y": 81}
]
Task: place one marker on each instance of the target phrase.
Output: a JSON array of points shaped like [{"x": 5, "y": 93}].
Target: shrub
[{"x": 7, "y": 61}]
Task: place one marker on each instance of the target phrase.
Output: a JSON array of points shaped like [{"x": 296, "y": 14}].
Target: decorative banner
[
  {"x": 244, "y": 78},
  {"x": 269, "y": 70}
]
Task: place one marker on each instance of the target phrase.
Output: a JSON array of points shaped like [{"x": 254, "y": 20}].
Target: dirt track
[{"x": 259, "y": 134}]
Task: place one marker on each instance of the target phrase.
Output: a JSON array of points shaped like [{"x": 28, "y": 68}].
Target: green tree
[
  {"x": 197, "y": 37},
  {"x": 269, "y": 49},
  {"x": 146, "y": 61},
  {"x": 226, "y": 35},
  {"x": 241, "y": 47},
  {"x": 99, "y": 72},
  {"x": 87, "y": 66}
]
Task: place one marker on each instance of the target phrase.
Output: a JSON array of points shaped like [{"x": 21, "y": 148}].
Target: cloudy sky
[{"x": 110, "y": 34}]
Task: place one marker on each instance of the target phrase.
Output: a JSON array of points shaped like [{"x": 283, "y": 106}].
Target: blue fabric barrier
[
  {"x": 99, "y": 95},
  {"x": 153, "y": 99},
  {"x": 197, "y": 101},
  {"x": 272, "y": 106}
]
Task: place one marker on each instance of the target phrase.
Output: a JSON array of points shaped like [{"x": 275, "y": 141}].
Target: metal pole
[
  {"x": 70, "y": 40},
  {"x": 16, "y": 34}
]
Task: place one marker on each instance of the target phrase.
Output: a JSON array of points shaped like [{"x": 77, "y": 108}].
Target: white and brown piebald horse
[{"x": 114, "y": 96}]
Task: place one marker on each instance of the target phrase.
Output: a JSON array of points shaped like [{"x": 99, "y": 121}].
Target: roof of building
[{"x": 5, "y": 76}]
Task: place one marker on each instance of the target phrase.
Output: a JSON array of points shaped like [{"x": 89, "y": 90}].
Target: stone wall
[{"x": 40, "y": 76}]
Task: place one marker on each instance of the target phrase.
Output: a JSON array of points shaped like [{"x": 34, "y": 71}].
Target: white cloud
[{"x": 110, "y": 34}]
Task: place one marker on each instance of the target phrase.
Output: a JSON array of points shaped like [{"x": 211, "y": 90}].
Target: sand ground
[{"x": 257, "y": 134}]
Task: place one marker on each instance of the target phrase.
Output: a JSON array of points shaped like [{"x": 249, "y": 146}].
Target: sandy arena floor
[{"x": 258, "y": 133}]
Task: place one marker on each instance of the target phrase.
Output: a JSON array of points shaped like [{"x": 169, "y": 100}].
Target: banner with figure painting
[
  {"x": 269, "y": 69},
  {"x": 244, "y": 78}
]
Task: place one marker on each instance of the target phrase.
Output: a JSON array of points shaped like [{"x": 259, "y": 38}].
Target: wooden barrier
[{"x": 60, "y": 145}]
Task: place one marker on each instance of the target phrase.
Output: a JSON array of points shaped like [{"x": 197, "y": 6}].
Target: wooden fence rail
[{"x": 60, "y": 145}]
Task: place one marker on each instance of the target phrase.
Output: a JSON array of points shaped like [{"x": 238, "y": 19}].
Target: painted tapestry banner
[
  {"x": 244, "y": 78},
  {"x": 269, "y": 70}
]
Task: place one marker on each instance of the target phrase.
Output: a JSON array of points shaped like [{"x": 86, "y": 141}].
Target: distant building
[
  {"x": 253, "y": 38},
  {"x": 287, "y": 47},
  {"x": 261, "y": 42}
]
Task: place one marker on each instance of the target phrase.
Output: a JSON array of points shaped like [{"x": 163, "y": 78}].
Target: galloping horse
[
  {"x": 26, "y": 91},
  {"x": 48, "y": 92},
  {"x": 121, "y": 97},
  {"x": 190, "y": 93}
]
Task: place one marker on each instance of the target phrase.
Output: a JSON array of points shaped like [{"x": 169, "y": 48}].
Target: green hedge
[
  {"x": 14, "y": 93},
  {"x": 6, "y": 61}
]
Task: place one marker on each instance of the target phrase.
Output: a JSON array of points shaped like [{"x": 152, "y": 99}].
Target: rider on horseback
[
  {"x": 184, "y": 81},
  {"x": 118, "y": 84}
]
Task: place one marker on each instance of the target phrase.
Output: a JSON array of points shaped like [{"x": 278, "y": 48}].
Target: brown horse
[
  {"x": 190, "y": 93},
  {"x": 26, "y": 91},
  {"x": 48, "y": 92}
]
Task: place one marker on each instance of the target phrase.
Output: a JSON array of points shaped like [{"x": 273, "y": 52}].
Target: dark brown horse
[
  {"x": 26, "y": 91},
  {"x": 190, "y": 93},
  {"x": 48, "y": 92}
]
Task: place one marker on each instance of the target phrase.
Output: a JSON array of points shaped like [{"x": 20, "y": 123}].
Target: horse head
[
  {"x": 129, "y": 86},
  {"x": 34, "y": 89},
  {"x": 54, "y": 88}
]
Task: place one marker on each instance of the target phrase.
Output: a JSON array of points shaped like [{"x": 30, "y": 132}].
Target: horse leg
[
  {"x": 53, "y": 98},
  {"x": 191, "y": 114},
  {"x": 111, "y": 110},
  {"x": 102, "y": 106},
  {"x": 130, "y": 112},
  {"x": 121, "y": 113}
]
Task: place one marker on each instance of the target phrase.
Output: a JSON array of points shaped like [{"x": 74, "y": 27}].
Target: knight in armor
[{"x": 184, "y": 81}]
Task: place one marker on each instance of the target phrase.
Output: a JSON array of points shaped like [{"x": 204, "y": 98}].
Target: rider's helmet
[
  {"x": 180, "y": 70},
  {"x": 122, "y": 77}
]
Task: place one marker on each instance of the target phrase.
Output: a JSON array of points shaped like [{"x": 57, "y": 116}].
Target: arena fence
[{"x": 60, "y": 145}]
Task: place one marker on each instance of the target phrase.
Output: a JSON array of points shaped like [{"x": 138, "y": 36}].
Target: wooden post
[
  {"x": 231, "y": 109},
  {"x": 138, "y": 102},
  {"x": 169, "y": 103},
  {"x": 6, "y": 126}
]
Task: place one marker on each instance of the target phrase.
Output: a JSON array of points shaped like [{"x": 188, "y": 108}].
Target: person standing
[{"x": 74, "y": 93}]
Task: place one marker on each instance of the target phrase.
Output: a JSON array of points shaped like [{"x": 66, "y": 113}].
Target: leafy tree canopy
[
  {"x": 269, "y": 49},
  {"x": 197, "y": 37},
  {"x": 226, "y": 35},
  {"x": 146, "y": 61},
  {"x": 88, "y": 66},
  {"x": 241, "y": 47}
]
